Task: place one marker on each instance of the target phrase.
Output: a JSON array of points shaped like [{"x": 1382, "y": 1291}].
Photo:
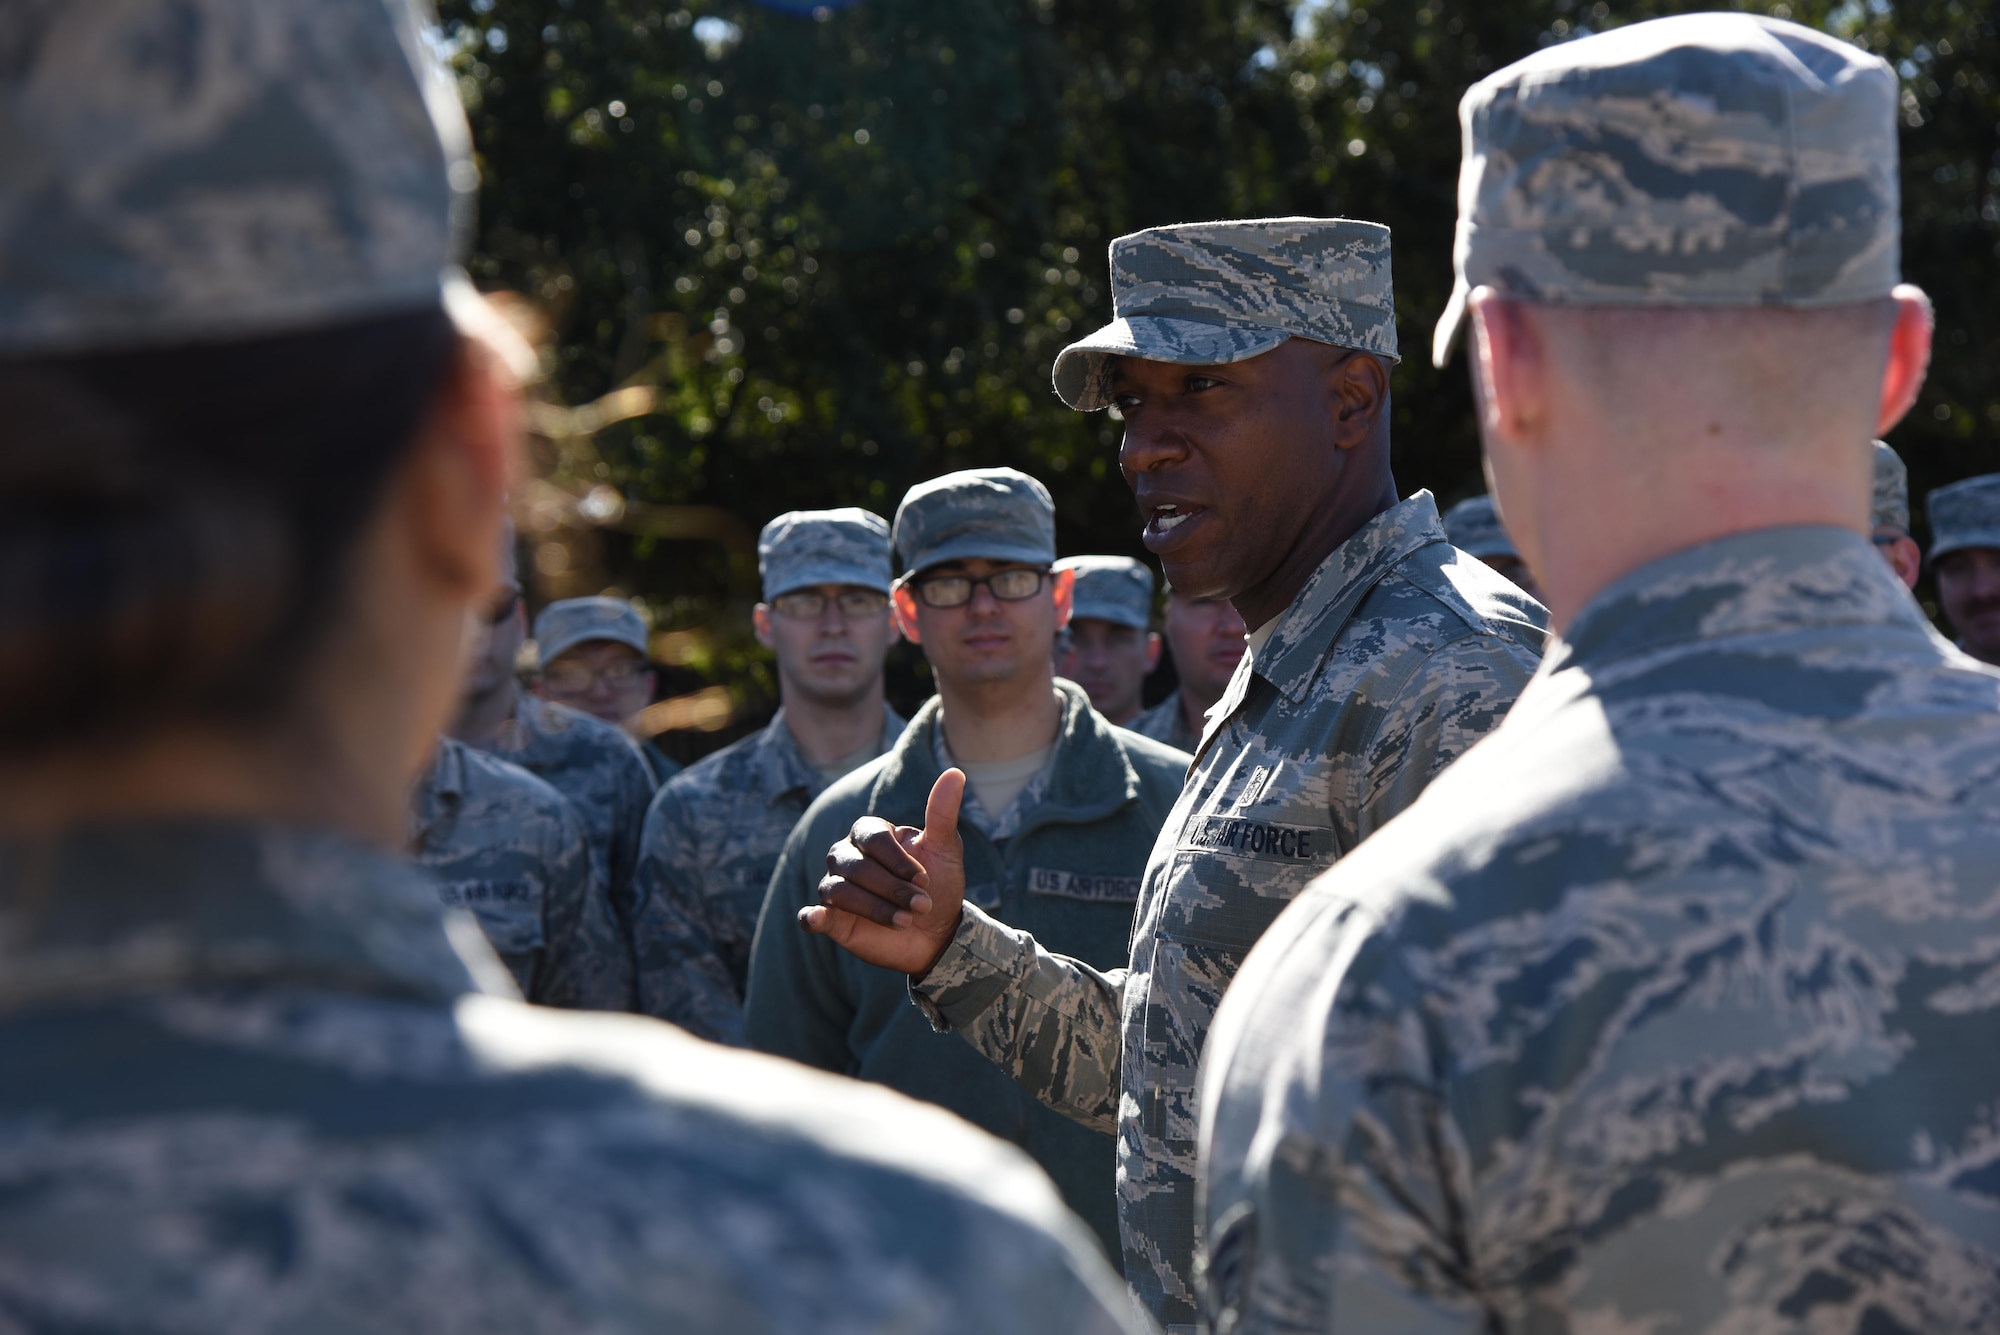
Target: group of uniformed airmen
[{"x": 1583, "y": 923}]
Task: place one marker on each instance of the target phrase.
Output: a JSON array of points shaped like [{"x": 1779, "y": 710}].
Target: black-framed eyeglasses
[
  {"x": 574, "y": 678},
  {"x": 810, "y": 604},
  {"x": 1009, "y": 586}
]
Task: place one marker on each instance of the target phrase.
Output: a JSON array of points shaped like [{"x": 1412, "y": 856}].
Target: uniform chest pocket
[
  {"x": 1090, "y": 887},
  {"x": 509, "y": 911}
]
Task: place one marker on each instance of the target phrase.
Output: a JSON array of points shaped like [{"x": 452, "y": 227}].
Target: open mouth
[{"x": 1162, "y": 521}]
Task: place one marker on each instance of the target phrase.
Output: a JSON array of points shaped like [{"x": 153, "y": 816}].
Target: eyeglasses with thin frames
[
  {"x": 1008, "y": 586},
  {"x": 810, "y": 604}
]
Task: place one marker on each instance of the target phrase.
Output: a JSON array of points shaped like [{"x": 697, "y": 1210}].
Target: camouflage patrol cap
[
  {"x": 1892, "y": 489},
  {"x": 1965, "y": 514},
  {"x": 998, "y": 514},
  {"x": 1207, "y": 294},
  {"x": 223, "y": 169},
  {"x": 1111, "y": 588},
  {"x": 1704, "y": 160},
  {"x": 568, "y": 622},
  {"x": 1474, "y": 527},
  {"x": 807, "y": 547}
]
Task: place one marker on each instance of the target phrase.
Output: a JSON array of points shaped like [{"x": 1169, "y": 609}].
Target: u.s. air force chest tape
[
  {"x": 1248, "y": 839},
  {"x": 1093, "y": 887},
  {"x": 509, "y": 910}
]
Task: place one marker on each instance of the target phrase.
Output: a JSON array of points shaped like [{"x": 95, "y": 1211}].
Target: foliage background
[{"x": 827, "y": 252}]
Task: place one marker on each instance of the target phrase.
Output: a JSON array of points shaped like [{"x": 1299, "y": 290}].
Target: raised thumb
[{"x": 941, "y": 811}]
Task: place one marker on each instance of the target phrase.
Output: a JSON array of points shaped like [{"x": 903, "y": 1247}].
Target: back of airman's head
[
  {"x": 229, "y": 230},
  {"x": 1699, "y": 162}
]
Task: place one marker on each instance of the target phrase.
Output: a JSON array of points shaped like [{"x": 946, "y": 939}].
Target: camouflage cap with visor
[
  {"x": 803, "y": 548},
  {"x": 1207, "y": 294},
  {"x": 1892, "y": 489},
  {"x": 224, "y": 169},
  {"x": 993, "y": 514},
  {"x": 1965, "y": 515},
  {"x": 1117, "y": 589},
  {"x": 568, "y": 622},
  {"x": 1704, "y": 160}
]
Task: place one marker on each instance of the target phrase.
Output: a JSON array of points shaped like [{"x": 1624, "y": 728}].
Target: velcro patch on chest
[
  {"x": 470, "y": 894},
  {"x": 1248, "y": 837},
  {"x": 1083, "y": 885}
]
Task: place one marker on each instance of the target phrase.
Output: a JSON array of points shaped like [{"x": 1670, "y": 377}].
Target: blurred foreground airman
[
  {"x": 1653, "y": 1013},
  {"x": 252, "y": 1076}
]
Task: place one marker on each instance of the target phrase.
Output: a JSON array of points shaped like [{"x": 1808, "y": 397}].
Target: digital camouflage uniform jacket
[
  {"x": 1069, "y": 873},
  {"x": 599, "y": 769},
  {"x": 251, "y": 1085},
  {"x": 1165, "y": 722},
  {"x": 1399, "y": 653},
  {"x": 711, "y": 842},
  {"x": 1670, "y": 1008},
  {"x": 500, "y": 842}
]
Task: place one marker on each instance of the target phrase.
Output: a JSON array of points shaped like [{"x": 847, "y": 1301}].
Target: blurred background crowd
[{"x": 789, "y": 256}]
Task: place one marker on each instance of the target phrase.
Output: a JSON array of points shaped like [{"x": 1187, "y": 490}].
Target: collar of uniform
[
  {"x": 1770, "y": 580},
  {"x": 1307, "y": 629},
  {"x": 443, "y": 782},
  {"x": 781, "y": 769},
  {"x": 112, "y": 910},
  {"x": 1090, "y": 776}
]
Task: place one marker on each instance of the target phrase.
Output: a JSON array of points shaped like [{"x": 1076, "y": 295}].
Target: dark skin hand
[{"x": 1249, "y": 475}]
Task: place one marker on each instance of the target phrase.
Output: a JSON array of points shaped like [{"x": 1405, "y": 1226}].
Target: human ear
[
  {"x": 1361, "y": 393},
  {"x": 760, "y": 621},
  {"x": 1065, "y": 588},
  {"x": 1152, "y": 650},
  {"x": 1909, "y": 355},
  {"x": 465, "y": 459},
  {"x": 1509, "y": 368},
  {"x": 904, "y": 604}
]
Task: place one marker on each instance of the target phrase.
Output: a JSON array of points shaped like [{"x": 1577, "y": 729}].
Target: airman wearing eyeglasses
[
  {"x": 592, "y": 655},
  {"x": 590, "y": 762},
  {"x": 714, "y": 833},
  {"x": 1060, "y": 811}
]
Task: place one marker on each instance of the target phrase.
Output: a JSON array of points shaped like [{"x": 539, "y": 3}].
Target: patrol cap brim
[
  {"x": 1083, "y": 371},
  {"x": 1965, "y": 539},
  {"x": 1452, "y": 323}
]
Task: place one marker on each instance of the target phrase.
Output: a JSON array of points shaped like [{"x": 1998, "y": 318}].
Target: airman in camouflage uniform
[
  {"x": 1062, "y": 858},
  {"x": 713, "y": 835},
  {"x": 256, "y": 1077},
  {"x": 593, "y": 655},
  {"x": 1112, "y": 645},
  {"x": 1652, "y": 1013},
  {"x": 1965, "y": 559},
  {"x": 1394, "y": 656},
  {"x": 1474, "y": 526},
  {"x": 1891, "y": 517},
  {"x": 590, "y": 762},
  {"x": 1205, "y": 637},
  {"x": 503, "y": 844}
]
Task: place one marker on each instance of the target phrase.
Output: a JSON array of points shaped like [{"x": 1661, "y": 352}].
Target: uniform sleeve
[
  {"x": 800, "y": 1004},
  {"x": 1336, "y": 1184},
  {"x": 586, "y": 964},
  {"x": 1049, "y": 1021},
  {"x": 633, "y": 795},
  {"x": 682, "y": 977},
  {"x": 1452, "y": 698}
]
